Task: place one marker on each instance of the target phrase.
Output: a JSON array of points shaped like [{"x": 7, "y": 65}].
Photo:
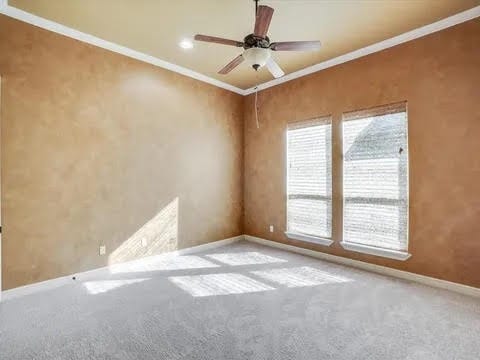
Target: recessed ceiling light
[{"x": 185, "y": 44}]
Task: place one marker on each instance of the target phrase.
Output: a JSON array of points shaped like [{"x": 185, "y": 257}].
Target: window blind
[
  {"x": 375, "y": 177},
  {"x": 309, "y": 187}
]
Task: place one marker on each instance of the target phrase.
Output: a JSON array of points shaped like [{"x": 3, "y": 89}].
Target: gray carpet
[{"x": 241, "y": 301}]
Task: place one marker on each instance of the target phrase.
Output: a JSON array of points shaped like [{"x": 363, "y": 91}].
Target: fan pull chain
[
  {"x": 256, "y": 107},
  {"x": 256, "y": 99}
]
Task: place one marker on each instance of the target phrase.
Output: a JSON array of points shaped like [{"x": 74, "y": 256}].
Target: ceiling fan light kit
[
  {"x": 257, "y": 46},
  {"x": 257, "y": 57}
]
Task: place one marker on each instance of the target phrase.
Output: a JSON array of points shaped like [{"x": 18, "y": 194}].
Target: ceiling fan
[{"x": 257, "y": 46}]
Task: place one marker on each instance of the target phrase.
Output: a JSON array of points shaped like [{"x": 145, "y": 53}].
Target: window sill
[
  {"x": 391, "y": 254},
  {"x": 309, "y": 238}
]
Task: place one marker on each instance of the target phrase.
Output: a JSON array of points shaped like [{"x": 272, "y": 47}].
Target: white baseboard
[
  {"x": 64, "y": 280},
  {"x": 425, "y": 280}
]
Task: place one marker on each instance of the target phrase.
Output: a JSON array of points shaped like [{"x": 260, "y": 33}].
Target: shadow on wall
[{"x": 158, "y": 235}]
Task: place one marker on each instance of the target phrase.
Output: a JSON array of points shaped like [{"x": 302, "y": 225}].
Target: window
[
  {"x": 309, "y": 187},
  {"x": 375, "y": 180}
]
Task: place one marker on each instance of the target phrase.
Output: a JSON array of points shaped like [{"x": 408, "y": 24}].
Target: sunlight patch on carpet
[
  {"x": 245, "y": 258},
  {"x": 218, "y": 284},
  {"x": 99, "y": 287},
  {"x": 163, "y": 263},
  {"x": 300, "y": 276}
]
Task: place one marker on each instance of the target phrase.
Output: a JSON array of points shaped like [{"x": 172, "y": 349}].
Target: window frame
[
  {"x": 369, "y": 249},
  {"x": 320, "y": 120}
]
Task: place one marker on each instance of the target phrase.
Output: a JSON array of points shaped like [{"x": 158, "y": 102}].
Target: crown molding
[
  {"x": 382, "y": 45},
  {"x": 35, "y": 20}
]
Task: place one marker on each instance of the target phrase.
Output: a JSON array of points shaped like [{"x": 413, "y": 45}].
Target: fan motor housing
[{"x": 251, "y": 41}]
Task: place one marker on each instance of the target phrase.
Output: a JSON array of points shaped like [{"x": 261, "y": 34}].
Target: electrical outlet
[
  {"x": 103, "y": 250},
  {"x": 271, "y": 228},
  {"x": 144, "y": 242}
]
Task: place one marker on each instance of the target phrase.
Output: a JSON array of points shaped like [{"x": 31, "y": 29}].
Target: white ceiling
[{"x": 155, "y": 27}]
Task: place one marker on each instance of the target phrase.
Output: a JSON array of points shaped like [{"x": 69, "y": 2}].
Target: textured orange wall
[
  {"x": 95, "y": 145},
  {"x": 439, "y": 76}
]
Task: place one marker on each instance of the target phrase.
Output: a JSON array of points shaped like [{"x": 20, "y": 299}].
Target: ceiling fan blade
[
  {"x": 262, "y": 21},
  {"x": 217, "y": 40},
  {"x": 296, "y": 46},
  {"x": 274, "y": 69},
  {"x": 232, "y": 65}
]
